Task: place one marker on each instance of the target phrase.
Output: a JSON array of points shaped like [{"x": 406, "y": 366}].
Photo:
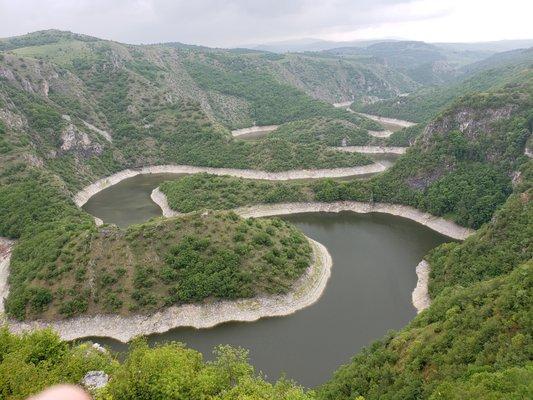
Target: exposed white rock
[
  {"x": 101, "y": 132},
  {"x": 76, "y": 140},
  {"x": 380, "y": 134},
  {"x": 372, "y": 149},
  {"x": 11, "y": 119},
  {"x": 72, "y": 138},
  {"x": 420, "y": 296},
  {"x": 343, "y": 104},
  {"x": 253, "y": 129},
  {"x": 95, "y": 380},
  {"x": 385, "y": 120},
  {"x": 6, "y": 246}
]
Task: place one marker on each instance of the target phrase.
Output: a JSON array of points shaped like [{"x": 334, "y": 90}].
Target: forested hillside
[
  {"x": 423, "y": 104},
  {"x": 424, "y": 63},
  {"x": 461, "y": 166}
]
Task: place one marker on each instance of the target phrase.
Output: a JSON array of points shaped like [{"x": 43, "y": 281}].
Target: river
[{"x": 369, "y": 291}]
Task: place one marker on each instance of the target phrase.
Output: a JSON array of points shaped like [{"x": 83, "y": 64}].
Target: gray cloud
[{"x": 217, "y": 22}]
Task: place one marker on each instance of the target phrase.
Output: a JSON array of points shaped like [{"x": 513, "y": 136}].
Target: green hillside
[
  {"x": 74, "y": 109},
  {"x": 422, "y": 105}
]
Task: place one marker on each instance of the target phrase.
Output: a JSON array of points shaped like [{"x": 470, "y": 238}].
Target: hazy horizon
[{"x": 236, "y": 23}]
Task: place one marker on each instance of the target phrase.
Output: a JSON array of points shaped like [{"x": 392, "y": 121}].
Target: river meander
[{"x": 369, "y": 292}]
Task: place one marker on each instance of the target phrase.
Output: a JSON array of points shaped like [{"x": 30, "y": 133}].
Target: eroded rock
[{"x": 95, "y": 380}]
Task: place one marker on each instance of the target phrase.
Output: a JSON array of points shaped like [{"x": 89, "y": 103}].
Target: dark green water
[{"x": 368, "y": 294}]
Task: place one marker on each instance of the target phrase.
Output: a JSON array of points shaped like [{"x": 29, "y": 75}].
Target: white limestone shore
[
  {"x": 438, "y": 224},
  {"x": 253, "y": 129},
  {"x": 385, "y": 120},
  {"x": 380, "y": 134},
  {"x": 372, "y": 149},
  {"x": 306, "y": 291},
  {"x": 6, "y": 246},
  {"x": 342, "y": 104},
  {"x": 420, "y": 296},
  {"x": 86, "y": 193}
]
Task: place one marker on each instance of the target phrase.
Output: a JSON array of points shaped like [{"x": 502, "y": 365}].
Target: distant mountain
[
  {"x": 314, "y": 44},
  {"x": 490, "y": 73},
  {"x": 423, "y": 62},
  {"x": 310, "y": 44},
  {"x": 496, "y": 46}
]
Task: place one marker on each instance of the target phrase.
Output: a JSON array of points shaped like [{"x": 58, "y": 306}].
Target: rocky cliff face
[
  {"x": 470, "y": 121},
  {"x": 74, "y": 140}
]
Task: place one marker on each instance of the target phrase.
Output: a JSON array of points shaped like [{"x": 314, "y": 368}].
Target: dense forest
[{"x": 74, "y": 109}]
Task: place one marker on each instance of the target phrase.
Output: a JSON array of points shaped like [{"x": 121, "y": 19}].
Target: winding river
[{"x": 369, "y": 292}]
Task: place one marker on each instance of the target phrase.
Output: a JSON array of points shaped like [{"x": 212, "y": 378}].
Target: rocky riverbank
[
  {"x": 420, "y": 296},
  {"x": 306, "y": 291},
  {"x": 392, "y": 121},
  {"x": 380, "y": 134},
  {"x": 372, "y": 149},
  {"x": 254, "y": 129},
  {"x": 441, "y": 225},
  {"x": 86, "y": 193},
  {"x": 6, "y": 246}
]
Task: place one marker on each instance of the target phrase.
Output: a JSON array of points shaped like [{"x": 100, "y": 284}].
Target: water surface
[{"x": 369, "y": 292}]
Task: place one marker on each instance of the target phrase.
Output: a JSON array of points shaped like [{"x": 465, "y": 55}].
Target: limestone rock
[{"x": 95, "y": 380}]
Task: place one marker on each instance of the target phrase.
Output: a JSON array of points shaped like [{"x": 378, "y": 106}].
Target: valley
[{"x": 278, "y": 202}]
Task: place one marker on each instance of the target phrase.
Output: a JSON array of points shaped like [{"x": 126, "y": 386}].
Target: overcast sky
[{"x": 236, "y": 22}]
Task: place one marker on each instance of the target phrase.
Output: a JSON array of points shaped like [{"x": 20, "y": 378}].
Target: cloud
[{"x": 234, "y": 22}]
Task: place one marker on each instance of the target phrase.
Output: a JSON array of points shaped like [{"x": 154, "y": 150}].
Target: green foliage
[
  {"x": 424, "y": 104},
  {"x": 169, "y": 371},
  {"x": 200, "y": 191},
  {"x": 495, "y": 249},
  {"x": 270, "y": 101},
  {"x": 331, "y": 132},
  {"x": 405, "y": 137},
  {"x": 512, "y": 383},
  {"x": 32, "y": 362},
  {"x": 471, "y": 194}
]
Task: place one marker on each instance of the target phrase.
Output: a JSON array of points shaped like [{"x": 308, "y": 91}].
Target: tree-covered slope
[
  {"x": 422, "y": 105},
  {"x": 234, "y": 87},
  {"x": 168, "y": 371},
  {"x": 483, "y": 329}
]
